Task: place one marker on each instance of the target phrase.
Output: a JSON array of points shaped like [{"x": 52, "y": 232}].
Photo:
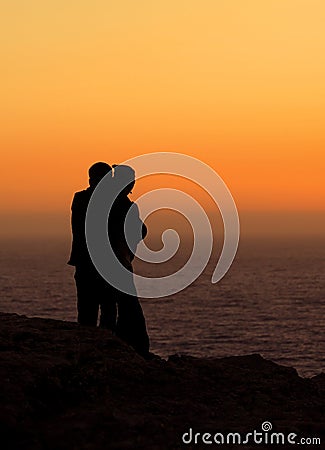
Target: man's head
[{"x": 97, "y": 171}]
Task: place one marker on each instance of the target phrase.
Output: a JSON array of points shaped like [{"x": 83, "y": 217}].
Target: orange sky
[{"x": 239, "y": 84}]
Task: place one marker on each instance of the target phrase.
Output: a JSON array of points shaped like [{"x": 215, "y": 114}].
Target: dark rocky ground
[{"x": 68, "y": 387}]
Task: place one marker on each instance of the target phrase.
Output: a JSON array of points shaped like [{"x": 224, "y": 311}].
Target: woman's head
[{"x": 125, "y": 176}]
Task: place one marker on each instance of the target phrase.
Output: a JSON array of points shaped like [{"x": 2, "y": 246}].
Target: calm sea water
[{"x": 271, "y": 301}]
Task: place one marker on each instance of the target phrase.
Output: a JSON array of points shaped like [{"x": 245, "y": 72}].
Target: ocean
[{"x": 270, "y": 302}]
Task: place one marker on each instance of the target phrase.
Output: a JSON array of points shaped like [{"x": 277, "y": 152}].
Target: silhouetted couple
[{"x": 119, "y": 311}]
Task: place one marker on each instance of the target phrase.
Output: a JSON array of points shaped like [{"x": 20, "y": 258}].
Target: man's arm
[
  {"x": 78, "y": 210},
  {"x": 77, "y": 219}
]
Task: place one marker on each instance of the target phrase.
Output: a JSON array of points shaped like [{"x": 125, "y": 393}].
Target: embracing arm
[
  {"x": 144, "y": 230},
  {"x": 135, "y": 229}
]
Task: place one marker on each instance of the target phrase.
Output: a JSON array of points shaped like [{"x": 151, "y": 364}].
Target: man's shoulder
[
  {"x": 83, "y": 193},
  {"x": 81, "y": 197}
]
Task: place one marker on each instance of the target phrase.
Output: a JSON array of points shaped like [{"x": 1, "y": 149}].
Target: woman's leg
[{"x": 131, "y": 324}]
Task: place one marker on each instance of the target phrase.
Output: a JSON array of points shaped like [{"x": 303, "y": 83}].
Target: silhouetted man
[{"x": 92, "y": 290}]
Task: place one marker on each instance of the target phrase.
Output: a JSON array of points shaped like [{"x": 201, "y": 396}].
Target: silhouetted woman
[{"x": 131, "y": 325}]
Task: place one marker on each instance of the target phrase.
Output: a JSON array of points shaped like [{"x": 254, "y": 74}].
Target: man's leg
[
  {"x": 108, "y": 307},
  {"x": 87, "y": 297}
]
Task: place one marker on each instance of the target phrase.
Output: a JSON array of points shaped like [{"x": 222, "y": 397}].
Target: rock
[{"x": 64, "y": 386}]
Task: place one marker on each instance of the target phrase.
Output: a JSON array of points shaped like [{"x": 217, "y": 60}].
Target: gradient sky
[{"x": 239, "y": 84}]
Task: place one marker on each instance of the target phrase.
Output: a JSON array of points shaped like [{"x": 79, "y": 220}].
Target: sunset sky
[{"x": 238, "y": 84}]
